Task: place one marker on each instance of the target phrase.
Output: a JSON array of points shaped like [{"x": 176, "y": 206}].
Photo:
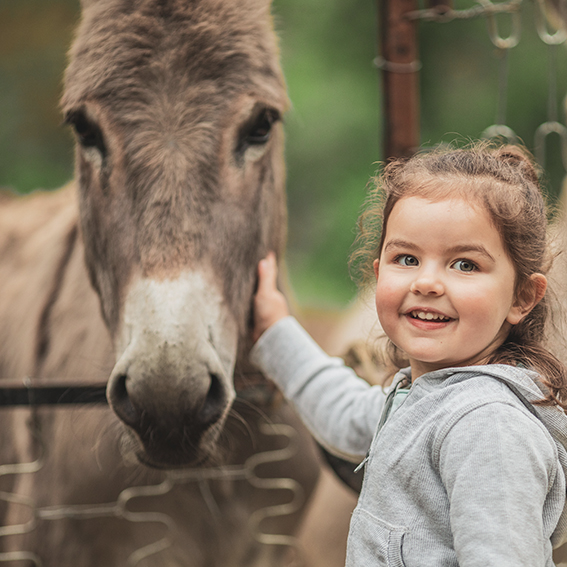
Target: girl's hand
[{"x": 270, "y": 304}]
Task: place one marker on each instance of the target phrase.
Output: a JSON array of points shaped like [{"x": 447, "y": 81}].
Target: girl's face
[{"x": 445, "y": 284}]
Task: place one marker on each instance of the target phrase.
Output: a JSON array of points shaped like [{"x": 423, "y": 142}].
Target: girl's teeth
[{"x": 428, "y": 316}]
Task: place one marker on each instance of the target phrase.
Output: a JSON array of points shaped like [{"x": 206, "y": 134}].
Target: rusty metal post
[{"x": 399, "y": 64}]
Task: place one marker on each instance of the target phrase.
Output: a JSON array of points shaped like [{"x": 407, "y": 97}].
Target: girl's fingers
[
  {"x": 267, "y": 273},
  {"x": 269, "y": 303}
]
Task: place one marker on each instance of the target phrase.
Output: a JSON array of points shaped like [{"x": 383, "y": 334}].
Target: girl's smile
[
  {"x": 445, "y": 284},
  {"x": 427, "y": 319}
]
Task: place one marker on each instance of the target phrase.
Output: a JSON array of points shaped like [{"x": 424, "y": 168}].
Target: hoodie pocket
[{"x": 374, "y": 542}]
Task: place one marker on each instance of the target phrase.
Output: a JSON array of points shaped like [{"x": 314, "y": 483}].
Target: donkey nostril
[
  {"x": 215, "y": 400},
  {"x": 120, "y": 400}
]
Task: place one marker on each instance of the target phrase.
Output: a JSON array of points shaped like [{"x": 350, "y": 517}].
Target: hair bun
[{"x": 517, "y": 156}]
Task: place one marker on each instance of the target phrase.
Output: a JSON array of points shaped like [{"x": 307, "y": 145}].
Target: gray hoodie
[{"x": 465, "y": 472}]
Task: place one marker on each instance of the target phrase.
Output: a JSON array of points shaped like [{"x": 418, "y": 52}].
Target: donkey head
[{"x": 176, "y": 107}]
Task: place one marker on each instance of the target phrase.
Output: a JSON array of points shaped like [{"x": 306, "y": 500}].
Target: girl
[{"x": 466, "y": 458}]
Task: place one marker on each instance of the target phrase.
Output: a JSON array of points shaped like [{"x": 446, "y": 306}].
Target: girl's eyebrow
[
  {"x": 464, "y": 248},
  {"x": 459, "y": 249},
  {"x": 398, "y": 243}
]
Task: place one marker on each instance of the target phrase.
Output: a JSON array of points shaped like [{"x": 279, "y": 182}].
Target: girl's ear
[
  {"x": 376, "y": 265},
  {"x": 528, "y": 298}
]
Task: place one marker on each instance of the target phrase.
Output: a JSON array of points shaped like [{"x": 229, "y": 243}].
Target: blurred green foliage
[
  {"x": 333, "y": 129},
  {"x": 35, "y": 151}
]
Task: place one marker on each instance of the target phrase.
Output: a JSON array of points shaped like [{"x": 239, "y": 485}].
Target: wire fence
[
  {"x": 508, "y": 15},
  {"x": 119, "y": 509}
]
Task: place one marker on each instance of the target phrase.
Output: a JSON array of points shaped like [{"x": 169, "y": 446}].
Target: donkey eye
[
  {"x": 259, "y": 132},
  {"x": 256, "y": 131},
  {"x": 88, "y": 133}
]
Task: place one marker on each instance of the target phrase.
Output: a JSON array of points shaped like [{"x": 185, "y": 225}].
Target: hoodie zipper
[{"x": 404, "y": 384}]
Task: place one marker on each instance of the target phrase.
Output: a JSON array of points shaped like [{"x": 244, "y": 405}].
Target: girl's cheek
[
  {"x": 389, "y": 285},
  {"x": 386, "y": 303}
]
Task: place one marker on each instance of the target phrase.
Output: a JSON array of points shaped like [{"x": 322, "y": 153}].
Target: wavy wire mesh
[
  {"x": 119, "y": 508},
  {"x": 512, "y": 9}
]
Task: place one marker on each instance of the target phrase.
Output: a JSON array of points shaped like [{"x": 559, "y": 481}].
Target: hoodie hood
[{"x": 529, "y": 389}]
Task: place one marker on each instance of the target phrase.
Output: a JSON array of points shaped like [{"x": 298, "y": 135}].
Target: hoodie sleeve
[
  {"x": 498, "y": 464},
  {"x": 340, "y": 409}
]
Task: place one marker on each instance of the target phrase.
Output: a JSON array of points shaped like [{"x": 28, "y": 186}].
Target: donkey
[{"x": 141, "y": 272}]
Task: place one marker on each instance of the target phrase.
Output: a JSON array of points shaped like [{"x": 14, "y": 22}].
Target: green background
[{"x": 333, "y": 130}]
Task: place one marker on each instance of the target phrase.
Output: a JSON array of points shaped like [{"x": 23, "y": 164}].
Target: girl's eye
[
  {"x": 465, "y": 266},
  {"x": 407, "y": 260}
]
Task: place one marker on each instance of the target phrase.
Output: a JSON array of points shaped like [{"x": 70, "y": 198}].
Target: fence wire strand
[{"x": 443, "y": 14}]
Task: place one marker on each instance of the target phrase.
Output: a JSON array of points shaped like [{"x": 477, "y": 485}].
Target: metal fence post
[{"x": 400, "y": 66}]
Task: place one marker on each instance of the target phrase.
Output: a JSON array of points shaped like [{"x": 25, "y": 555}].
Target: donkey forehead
[{"x": 216, "y": 47}]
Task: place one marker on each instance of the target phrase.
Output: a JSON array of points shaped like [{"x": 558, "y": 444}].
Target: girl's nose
[{"x": 428, "y": 283}]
